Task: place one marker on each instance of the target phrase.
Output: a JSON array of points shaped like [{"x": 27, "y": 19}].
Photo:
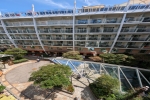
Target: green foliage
[
  {"x": 2, "y": 88},
  {"x": 20, "y": 61},
  {"x": 116, "y": 58},
  {"x": 52, "y": 76},
  {"x": 104, "y": 87},
  {"x": 16, "y": 52},
  {"x": 73, "y": 55}
]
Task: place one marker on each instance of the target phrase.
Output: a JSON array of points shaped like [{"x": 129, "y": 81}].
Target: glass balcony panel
[
  {"x": 95, "y": 21},
  {"x": 113, "y": 20},
  {"x": 146, "y": 19},
  {"x": 85, "y": 21}
]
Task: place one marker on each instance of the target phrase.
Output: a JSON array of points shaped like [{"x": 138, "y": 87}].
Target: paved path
[
  {"x": 18, "y": 71},
  {"x": 21, "y": 74}
]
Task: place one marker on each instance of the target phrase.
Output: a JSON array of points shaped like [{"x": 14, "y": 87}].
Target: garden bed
[{"x": 20, "y": 61}]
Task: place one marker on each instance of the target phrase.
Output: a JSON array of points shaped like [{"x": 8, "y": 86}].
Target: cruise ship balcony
[
  {"x": 14, "y": 24},
  {"x": 143, "y": 30},
  {"x": 110, "y": 30},
  {"x": 58, "y": 44},
  {"x": 92, "y": 44},
  {"x": 146, "y": 19},
  {"x": 80, "y": 44},
  {"x": 113, "y": 20},
  {"x": 138, "y": 39},
  {"x": 120, "y": 46},
  {"x": 21, "y": 31},
  {"x": 132, "y": 46},
  {"x": 93, "y": 38},
  {"x": 80, "y": 38},
  {"x": 69, "y": 44},
  {"x": 104, "y": 45},
  {"x": 133, "y": 19},
  {"x": 2, "y": 37},
  {"x": 95, "y": 30},
  {"x": 107, "y": 38},
  {"x": 1, "y": 31},
  {"x": 54, "y": 22}
]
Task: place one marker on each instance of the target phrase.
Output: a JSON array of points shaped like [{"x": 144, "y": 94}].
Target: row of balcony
[
  {"x": 83, "y": 21},
  {"x": 76, "y": 38},
  {"x": 92, "y": 30}
]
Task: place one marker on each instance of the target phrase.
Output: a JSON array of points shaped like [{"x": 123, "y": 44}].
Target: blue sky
[{"x": 40, "y": 5}]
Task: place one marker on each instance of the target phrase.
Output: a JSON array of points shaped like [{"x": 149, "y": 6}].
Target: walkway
[{"x": 15, "y": 77}]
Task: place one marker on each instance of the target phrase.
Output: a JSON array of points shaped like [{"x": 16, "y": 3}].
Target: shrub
[
  {"x": 96, "y": 58},
  {"x": 70, "y": 88},
  {"x": 73, "y": 55},
  {"x": 52, "y": 76},
  {"x": 2, "y": 88},
  {"x": 20, "y": 61},
  {"x": 104, "y": 86},
  {"x": 18, "y": 53}
]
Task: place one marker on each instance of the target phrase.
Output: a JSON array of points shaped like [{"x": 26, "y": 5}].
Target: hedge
[{"x": 20, "y": 61}]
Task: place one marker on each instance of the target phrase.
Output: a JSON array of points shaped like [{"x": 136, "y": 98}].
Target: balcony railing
[
  {"x": 133, "y": 20},
  {"x": 110, "y": 30},
  {"x": 146, "y": 19},
  {"x": 55, "y": 22},
  {"x": 114, "y": 20},
  {"x": 80, "y": 38},
  {"x": 142, "y": 30},
  {"x": 120, "y": 46},
  {"x": 95, "y": 30},
  {"x": 4, "y": 38},
  {"x": 69, "y": 44},
  {"x": 80, "y": 44},
  {"x": 86, "y": 10},
  {"x": 5, "y": 43},
  {"x": 138, "y": 39},
  {"x": 21, "y": 31},
  {"x": 61, "y": 44},
  {"x": 93, "y": 38},
  {"x": 19, "y": 23},
  {"x": 104, "y": 45},
  {"x": 1, "y": 31},
  {"x": 132, "y": 46},
  {"x": 123, "y": 39},
  {"x": 107, "y": 38}
]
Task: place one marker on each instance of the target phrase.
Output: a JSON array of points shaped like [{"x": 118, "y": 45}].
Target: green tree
[
  {"x": 16, "y": 52},
  {"x": 116, "y": 58},
  {"x": 104, "y": 86},
  {"x": 52, "y": 76},
  {"x": 73, "y": 55}
]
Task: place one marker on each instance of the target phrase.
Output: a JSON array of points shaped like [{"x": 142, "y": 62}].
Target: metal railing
[{"x": 100, "y": 9}]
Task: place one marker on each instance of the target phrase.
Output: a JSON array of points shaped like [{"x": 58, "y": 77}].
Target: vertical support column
[
  {"x": 139, "y": 78},
  {"x": 6, "y": 32},
  {"x": 119, "y": 78},
  {"x": 74, "y": 11},
  {"x": 119, "y": 30},
  {"x": 35, "y": 26}
]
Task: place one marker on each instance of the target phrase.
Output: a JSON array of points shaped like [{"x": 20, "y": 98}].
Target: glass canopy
[{"x": 130, "y": 77}]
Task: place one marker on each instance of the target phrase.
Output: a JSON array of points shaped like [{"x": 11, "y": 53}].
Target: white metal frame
[
  {"x": 119, "y": 30},
  {"x": 119, "y": 69},
  {"x": 6, "y": 32},
  {"x": 35, "y": 26}
]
